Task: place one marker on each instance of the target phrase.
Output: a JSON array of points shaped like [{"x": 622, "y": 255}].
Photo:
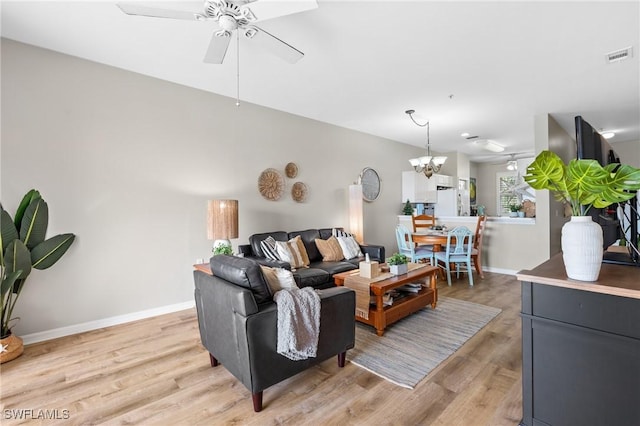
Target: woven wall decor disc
[
  {"x": 271, "y": 184},
  {"x": 291, "y": 170},
  {"x": 299, "y": 192}
]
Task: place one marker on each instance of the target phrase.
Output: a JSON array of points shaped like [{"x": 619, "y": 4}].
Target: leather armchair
[{"x": 238, "y": 324}]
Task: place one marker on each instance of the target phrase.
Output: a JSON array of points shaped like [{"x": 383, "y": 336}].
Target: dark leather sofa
[
  {"x": 319, "y": 274},
  {"x": 238, "y": 321}
]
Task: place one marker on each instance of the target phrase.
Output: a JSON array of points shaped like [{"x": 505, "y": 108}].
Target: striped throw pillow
[
  {"x": 293, "y": 251},
  {"x": 340, "y": 233},
  {"x": 268, "y": 247}
]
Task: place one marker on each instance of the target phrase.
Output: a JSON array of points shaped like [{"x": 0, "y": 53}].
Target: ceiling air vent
[{"x": 619, "y": 55}]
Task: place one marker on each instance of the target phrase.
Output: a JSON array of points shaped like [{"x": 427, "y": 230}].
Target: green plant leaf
[
  {"x": 622, "y": 184},
  {"x": 585, "y": 180},
  {"x": 17, "y": 257},
  {"x": 7, "y": 283},
  {"x": 34, "y": 223},
  {"x": 547, "y": 172},
  {"x": 50, "y": 251},
  {"x": 8, "y": 232},
  {"x": 26, "y": 200}
]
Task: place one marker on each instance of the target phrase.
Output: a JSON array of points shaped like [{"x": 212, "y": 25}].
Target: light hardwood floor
[{"x": 155, "y": 371}]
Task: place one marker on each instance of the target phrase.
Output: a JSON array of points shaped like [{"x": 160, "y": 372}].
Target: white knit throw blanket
[{"x": 298, "y": 322}]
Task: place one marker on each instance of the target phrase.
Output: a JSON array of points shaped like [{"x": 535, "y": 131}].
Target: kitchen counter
[{"x": 495, "y": 219}]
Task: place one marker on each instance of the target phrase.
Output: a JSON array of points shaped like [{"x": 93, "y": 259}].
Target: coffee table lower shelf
[
  {"x": 398, "y": 310},
  {"x": 381, "y": 316}
]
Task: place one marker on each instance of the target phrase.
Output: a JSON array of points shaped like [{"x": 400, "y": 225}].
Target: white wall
[
  {"x": 128, "y": 162},
  {"x": 628, "y": 151}
]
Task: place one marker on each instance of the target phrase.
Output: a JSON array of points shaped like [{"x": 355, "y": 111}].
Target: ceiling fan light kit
[{"x": 427, "y": 164}]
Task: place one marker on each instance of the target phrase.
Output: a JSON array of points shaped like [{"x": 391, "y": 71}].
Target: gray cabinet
[{"x": 581, "y": 353}]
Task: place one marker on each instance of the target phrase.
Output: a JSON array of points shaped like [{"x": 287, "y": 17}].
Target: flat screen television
[{"x": 616, "y": 221}]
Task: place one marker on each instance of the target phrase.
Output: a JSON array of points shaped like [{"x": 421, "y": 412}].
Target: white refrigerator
[{"x": 452, "y": 202}]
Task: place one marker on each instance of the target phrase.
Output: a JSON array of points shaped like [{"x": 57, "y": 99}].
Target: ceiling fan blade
[
  {"x": 154, "y": 12},
  {"x": 217, "y": 49},
  {"x": 274, "y": 44}
]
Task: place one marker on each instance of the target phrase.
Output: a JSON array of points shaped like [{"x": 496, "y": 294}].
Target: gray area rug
[{"x": 413, "y": 346}]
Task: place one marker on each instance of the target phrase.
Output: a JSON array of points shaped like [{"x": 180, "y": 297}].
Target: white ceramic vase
[{"x": 582, "y": 248}]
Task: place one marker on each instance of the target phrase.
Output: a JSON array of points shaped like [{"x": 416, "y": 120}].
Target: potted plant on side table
[
  {"x": 23, "y": 247},
  {"x": 398, "y": 264},
  {"x": 583, "y": 184}
]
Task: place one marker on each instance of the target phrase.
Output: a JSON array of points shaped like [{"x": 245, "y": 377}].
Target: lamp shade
[{"x": 222, "y": 219}]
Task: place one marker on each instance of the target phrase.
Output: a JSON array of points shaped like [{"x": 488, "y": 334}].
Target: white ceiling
[{"x": 486, "y": 68}]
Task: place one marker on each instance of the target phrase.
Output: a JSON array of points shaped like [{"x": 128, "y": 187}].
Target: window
[{"x": 506, "y": 182}]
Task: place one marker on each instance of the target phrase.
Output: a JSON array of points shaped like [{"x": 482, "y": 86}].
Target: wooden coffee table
[{"x": 381, "y": 316}]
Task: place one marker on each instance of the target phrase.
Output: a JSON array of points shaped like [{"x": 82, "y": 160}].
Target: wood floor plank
[{"x": 156, "y": 372}]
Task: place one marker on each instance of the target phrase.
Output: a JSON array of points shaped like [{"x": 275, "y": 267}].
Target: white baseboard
[
  {"x": 105, "y": 322},
  {"x": 500, "y": 270}
]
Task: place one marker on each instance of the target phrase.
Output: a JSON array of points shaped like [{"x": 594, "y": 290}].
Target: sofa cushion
[
  {"x": 244, "y": 273},
  {"x": 313, "y": 277},
  {"x": 255, "y": 240},
  {"x": 329, "y": 249},
  {"x": 325, "y": 233},
  {"x": 309, "y": 239},
  {"x": 333, "y": 267}
]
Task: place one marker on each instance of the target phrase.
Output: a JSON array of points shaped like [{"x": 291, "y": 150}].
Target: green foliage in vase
[
  {"x": 583, "y": 183},
  {"x": 222, "y": 249},
  {"x": 24, "y": 247},
  {"x": 397, "y": 259}
]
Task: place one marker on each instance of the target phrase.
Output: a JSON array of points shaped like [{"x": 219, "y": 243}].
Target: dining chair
[
  {"x": 458, "y": 252},
  {"x": 408, "y": 248},
  {"x": 423, "y": 221},
  {"x": 476, "y": 252}
]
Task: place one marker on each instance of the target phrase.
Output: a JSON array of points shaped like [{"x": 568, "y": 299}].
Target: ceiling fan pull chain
[{"x": 238, "y": 69}]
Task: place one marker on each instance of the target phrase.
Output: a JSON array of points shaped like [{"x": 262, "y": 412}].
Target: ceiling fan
[
  {"x": 231, "y": 16},
  {"x": 512, "y": 163}
]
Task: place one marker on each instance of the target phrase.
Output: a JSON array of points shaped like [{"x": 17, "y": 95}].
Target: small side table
[{"x": 203, "y": 267}]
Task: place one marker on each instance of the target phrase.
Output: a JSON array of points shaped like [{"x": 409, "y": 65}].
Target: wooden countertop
[{"x": 616, "y": 280}]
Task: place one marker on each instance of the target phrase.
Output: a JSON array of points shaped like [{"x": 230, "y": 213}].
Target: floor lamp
[{"x": 356, "y": 214}]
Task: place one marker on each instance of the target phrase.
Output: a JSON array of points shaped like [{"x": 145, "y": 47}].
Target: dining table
[{"x": 432, "y": 237}]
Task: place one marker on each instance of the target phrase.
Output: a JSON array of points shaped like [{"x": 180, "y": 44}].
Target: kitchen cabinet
[
  {"x": 443, "y": 181},
  {"x": 418, "y": 189}
]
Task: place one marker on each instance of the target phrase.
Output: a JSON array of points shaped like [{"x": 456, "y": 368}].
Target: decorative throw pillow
[
  {"x": 340, "y": 233},
  {"x": 268, "y": 247},
  {"x": 293, "y": 251},
  {"x": 278, "y": 278},
  {"x": 302, "y": 250},
  {"x": 350, "y": 248},
  {"x": 285, "y": 278},
  {"x": 330, "y": 249}
]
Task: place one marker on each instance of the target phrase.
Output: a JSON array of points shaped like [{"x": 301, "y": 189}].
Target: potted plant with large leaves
[
  {"x": 24, "y": 247},
  {"x": 583, "y": 184}
]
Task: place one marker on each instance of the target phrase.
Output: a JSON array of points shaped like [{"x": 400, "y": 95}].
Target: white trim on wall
[{"x": 105, "y": 322}]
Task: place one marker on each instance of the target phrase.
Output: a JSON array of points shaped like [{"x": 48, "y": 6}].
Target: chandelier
[{"x": 427, "y": 164}]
